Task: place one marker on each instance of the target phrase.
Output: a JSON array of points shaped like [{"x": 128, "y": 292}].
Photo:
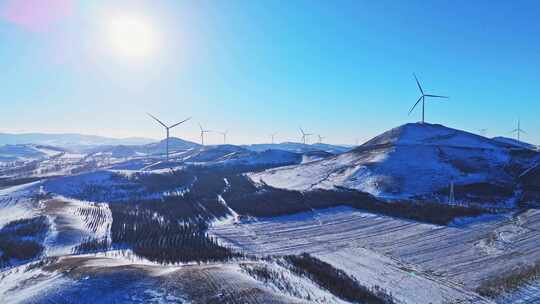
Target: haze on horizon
[{"x": 342, "y": 69}]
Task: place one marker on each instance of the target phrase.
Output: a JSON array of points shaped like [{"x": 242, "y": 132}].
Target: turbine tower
[
  {"x": 423, "y": 99},
  {"x": 518, "y": 131},
  {"x": 203, "y": 131},
  {"x": 304, "y": 135},
  {"x": 224, "y": 136},
  {"x": 273, "y": 135},
  {"x": 167, "y": 129}
]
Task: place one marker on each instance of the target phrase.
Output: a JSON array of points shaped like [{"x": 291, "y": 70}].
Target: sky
[{"x": 341, "y": 69}]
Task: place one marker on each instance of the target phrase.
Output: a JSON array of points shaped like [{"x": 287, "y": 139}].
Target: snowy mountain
[
  {"x": 70, "y": 140},
  {"x": 174, "y": 144},
  {"x": 412, "y": 161},
  {"x": 298, "y": 147}
]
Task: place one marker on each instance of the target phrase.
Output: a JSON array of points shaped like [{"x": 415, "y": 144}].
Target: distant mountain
[
  {"x": 155, "y": 148},
  {"x": 231, "y": 155},
  {"x": 175, "y": 143},
  {"x": 414, "y": 161},
  {"x": 9, "y": 153},
  {"x": 515, "y": 142},
  {"x": 298, "y": 147},
  {"x": 68, "y": 140}
]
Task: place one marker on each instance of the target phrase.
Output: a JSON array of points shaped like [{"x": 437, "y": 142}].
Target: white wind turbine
[
  {"x": 305, "y": 136},
  {"x": 273, "y": 136},
  {"x": 423, "y": 99},
  {"x": 167, "y": 130},
  {"x": 203, "y": 131},
  {"x": 224, "y": 136}
]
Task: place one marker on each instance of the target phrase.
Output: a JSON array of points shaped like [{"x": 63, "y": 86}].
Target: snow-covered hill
[
  {"x": 410, "y": 161},
  {"x": 174, "y": 144}
]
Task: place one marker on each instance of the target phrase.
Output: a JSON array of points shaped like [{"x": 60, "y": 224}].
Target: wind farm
[{"x": 269, "y": 152}]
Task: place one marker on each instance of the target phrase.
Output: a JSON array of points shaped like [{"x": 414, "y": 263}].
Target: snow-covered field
[{"x": 448, "y": 262}]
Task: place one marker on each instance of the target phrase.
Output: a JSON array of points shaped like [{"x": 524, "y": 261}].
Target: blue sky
[{"x": 342, "y": 69}]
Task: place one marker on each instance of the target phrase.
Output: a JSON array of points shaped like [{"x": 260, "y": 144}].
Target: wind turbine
[
  {"x": 203, "y": 131},
  {"x": 224, "y": 136},
  {"x": 304, "y": 135},
  {"x": 320, "y": 138},
  {"x": 167, "y": 128},
  {"x": 423, "y": 99},
  {"x": 518, "y": 131},
  {"x": 273, "y": 135}
]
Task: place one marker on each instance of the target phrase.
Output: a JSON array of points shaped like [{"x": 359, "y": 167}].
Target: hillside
[
  {"x": 412, "y": 161},
  {"x": 515, "y": 142}
]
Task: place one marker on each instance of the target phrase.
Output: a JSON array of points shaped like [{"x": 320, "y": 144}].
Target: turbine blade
[
  {"x": 418, "y": 83},
  {"x": 418, "y": 101},
  {"x": 159, "y": 121},
  {"x": 437, "y": 96},
  {"x": 183, "y": 121}
]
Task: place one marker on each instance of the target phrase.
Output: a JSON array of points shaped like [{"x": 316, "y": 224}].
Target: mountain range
[{"x": 68, "y": 140}]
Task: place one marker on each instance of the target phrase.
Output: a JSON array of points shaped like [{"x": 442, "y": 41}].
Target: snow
[
  {"x": 529, "y": 293},
  {"x": 24, "y": 283},
  {"x": 414, "y": 159},
  {"x": 73, "y": 222},
  {"x": 303, "y": 288},
  {"x": 405, "y": 282},
  {"x": 447, "y": 262},
  {"x": 514, "y": 142},
  {"x": 15, "y": 202}
]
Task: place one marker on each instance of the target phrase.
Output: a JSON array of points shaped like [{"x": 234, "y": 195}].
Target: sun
[{"x": 132, "y": 36}]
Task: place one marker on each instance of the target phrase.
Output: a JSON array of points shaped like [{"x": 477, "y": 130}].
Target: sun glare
[{"x": 132, "y": 36}]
